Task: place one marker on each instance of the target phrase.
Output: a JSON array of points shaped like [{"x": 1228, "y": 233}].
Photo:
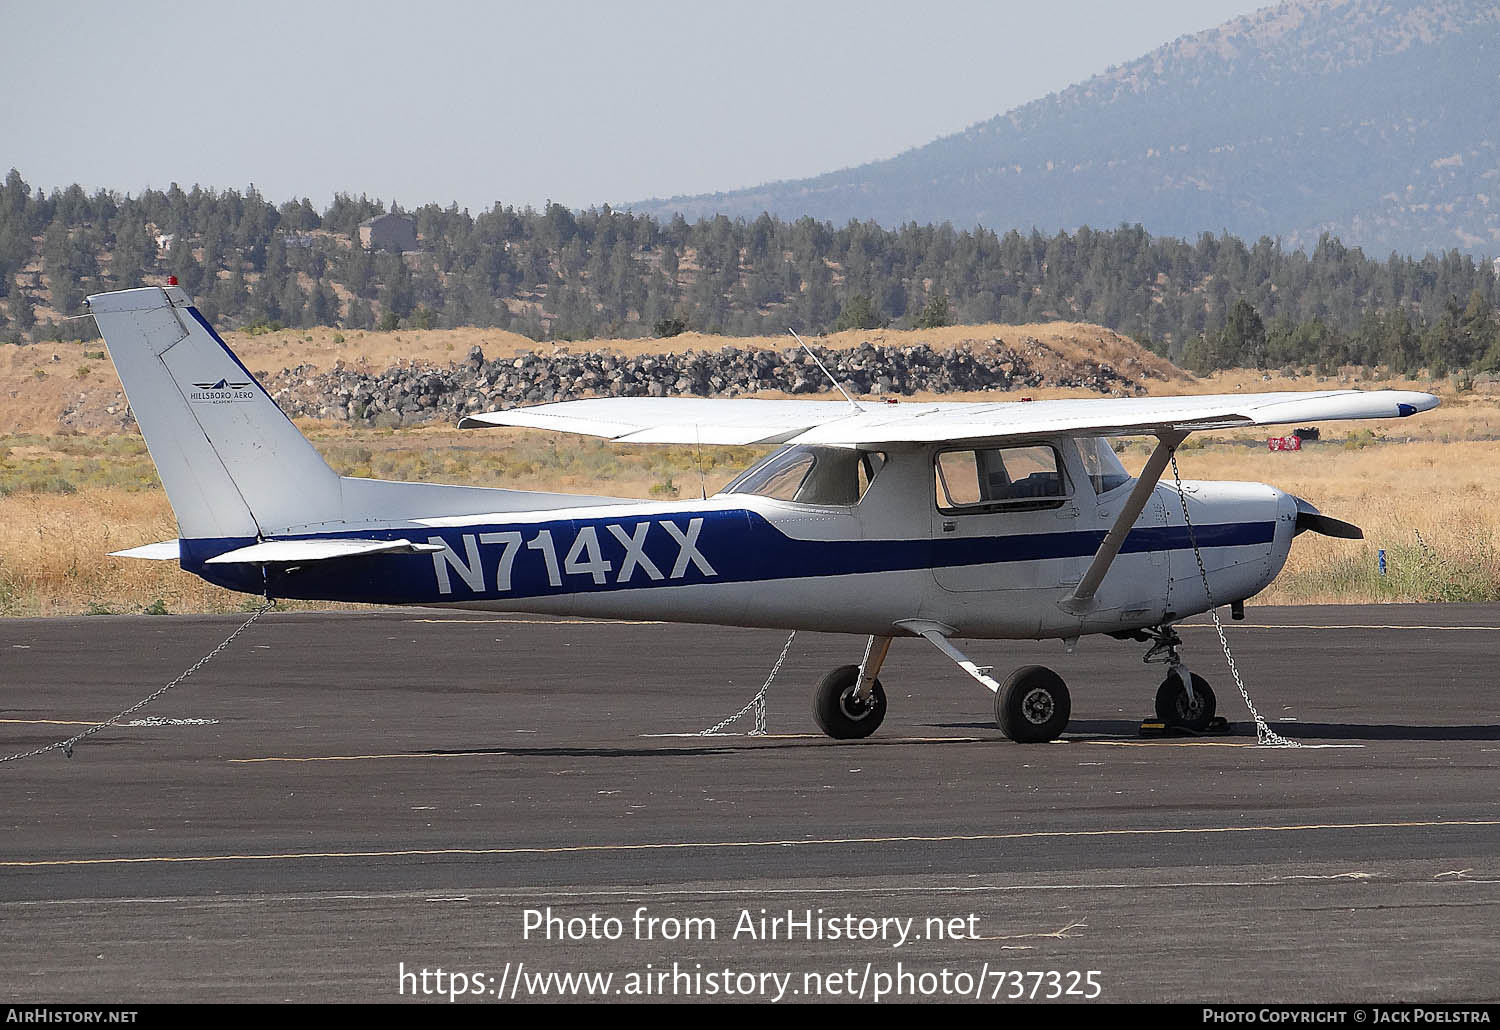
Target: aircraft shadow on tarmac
[
  {"x": 732, "y": 745},
  {"x": 985, "y": 733},
  {"x": 582, "y": 752},
  {"x": 1115, "y": 728}
]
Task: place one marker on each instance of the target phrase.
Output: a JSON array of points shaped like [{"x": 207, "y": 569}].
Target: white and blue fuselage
[{"x": 747, "y": 560}]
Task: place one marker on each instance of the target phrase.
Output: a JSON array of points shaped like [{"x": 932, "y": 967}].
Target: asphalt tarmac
[{"x": 342, "y": 799}]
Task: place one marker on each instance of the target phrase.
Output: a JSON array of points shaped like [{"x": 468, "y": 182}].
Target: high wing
[{"x": 836, "y": 423}]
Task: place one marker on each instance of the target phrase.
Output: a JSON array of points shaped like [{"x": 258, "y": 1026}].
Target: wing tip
[{"x": 1410, "y": 403}]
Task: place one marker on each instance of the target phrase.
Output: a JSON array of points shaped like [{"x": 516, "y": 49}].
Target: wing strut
[{"x": 1081, "y": 600}]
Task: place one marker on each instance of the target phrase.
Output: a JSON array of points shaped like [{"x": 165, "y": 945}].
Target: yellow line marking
[
  {"x": 370, "y": 758},
  {"x": 721, "y": 736},
  {"x": 806, "y": 736},
  {"x": 552, "y": 622},
  {"x": 1172, "y": 743},
  {"x": 1425, "y": 629},
  {"x": 729, "y": 844},
  {"x": 1208, "y": 743},
  {"x": 1180, "y": 625}
]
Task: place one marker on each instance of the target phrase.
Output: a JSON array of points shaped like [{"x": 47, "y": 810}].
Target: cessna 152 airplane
[{"x": 933, "y": 520}]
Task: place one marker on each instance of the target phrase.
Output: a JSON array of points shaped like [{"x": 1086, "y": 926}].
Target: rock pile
[{"x": 414, "y": 394}]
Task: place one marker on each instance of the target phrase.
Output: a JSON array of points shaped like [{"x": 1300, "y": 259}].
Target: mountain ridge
[{"x": 1365, "y": 119}]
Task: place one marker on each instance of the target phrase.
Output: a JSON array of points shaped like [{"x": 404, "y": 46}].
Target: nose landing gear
[{"x": 1184, "y": 701}]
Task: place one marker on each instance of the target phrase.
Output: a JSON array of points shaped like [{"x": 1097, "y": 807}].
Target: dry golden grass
[
  {"x": 54, "y": 556},
  {"x": 1433, "y": 507},
  {"x": 1437, "y": 475}
]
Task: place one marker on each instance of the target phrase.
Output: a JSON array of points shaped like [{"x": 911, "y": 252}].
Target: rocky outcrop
[{"x": 414, "y": 394}]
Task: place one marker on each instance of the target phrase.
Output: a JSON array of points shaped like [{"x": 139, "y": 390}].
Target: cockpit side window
[
  {"x": 999, "y": 478},
  {"x": 812, "y": 475}
]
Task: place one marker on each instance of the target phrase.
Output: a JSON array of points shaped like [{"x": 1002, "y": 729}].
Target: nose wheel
[
  {"x": 1175, "y": 706},
  {"x": 1184, "y": 701}
]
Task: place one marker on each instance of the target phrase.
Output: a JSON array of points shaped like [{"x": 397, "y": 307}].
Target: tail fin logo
[{"x": 221, "y": 392}]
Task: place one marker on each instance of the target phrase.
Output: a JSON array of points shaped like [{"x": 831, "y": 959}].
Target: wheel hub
[
  {"x": 854, "y": 706},
  {"x": 1189, "y": 707},
  {"x": 1038, "y": 706}
]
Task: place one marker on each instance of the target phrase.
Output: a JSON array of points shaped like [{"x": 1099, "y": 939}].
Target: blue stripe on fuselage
[{"x": 735, "y": 546}]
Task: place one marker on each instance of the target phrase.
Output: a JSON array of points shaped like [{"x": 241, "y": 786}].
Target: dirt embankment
[{"x": 71, "y": 387}]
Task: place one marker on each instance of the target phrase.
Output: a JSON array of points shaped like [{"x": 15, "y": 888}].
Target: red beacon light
[{"x": 171, "y": 280}]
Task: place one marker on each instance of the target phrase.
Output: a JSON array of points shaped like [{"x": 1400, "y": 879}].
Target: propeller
[{"x": 1310, "y": 519}]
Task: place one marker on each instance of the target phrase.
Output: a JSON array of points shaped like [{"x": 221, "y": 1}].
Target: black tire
[
  {"x": 1174, "y": 709},
  {"x": 839, "y": 714},
  {"x": 1033, "y": 705}
]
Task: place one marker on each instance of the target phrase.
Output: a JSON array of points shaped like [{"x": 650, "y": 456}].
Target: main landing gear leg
[
  {"x": 849, "y": 703},
  {"x": 1032, "y": 706},
  {"x": 875, "y": 652},
  {"x": 1184, "y": 699}
]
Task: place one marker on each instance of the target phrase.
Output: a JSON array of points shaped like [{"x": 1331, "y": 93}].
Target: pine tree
[
  {"x": 859, "y": 312},
  {"x": 22, "y": 310},
  {"x": 1243, "y": 340},
  {"x": 935, "y": 313}
]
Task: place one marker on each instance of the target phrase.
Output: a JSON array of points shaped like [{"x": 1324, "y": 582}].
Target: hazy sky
[{"x": 580, "y": 102}]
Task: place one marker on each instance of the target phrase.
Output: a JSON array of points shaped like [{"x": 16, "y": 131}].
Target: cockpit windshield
[
  {"x": 811, "y": 475},
  {"x": 1100, "y": 462}
]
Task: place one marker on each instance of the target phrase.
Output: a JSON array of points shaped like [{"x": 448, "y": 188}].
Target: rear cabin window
[{"x": 999, "y": 478}]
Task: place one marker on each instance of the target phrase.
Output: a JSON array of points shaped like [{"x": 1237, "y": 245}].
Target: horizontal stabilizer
[
  {"x": 295, "y": 552},
  {"x": 166, "y": 550}
]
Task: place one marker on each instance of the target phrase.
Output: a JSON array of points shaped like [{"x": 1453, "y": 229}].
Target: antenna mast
[{"x": 852, "y": 403}]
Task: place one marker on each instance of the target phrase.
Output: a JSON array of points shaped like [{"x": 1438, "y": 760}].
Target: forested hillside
[{"x": 557, "y": 274}]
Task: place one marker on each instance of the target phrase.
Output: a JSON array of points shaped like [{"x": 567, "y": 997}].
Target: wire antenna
[
  {"x": 852, "y": 402},
  {"x": 698, "y": 458}
]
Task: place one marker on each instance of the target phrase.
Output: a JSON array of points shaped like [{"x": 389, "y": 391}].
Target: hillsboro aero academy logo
[{"x": 222, "y": 392}]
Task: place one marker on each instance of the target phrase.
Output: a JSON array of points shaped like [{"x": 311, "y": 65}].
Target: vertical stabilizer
[{"x": 232, "y": 463}]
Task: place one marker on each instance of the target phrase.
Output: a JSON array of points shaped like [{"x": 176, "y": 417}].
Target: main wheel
[
  {"x": 1033, "y": 705},
  {"x": 1175, "y": 709},
  {"x": 842, "y": 715}
]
